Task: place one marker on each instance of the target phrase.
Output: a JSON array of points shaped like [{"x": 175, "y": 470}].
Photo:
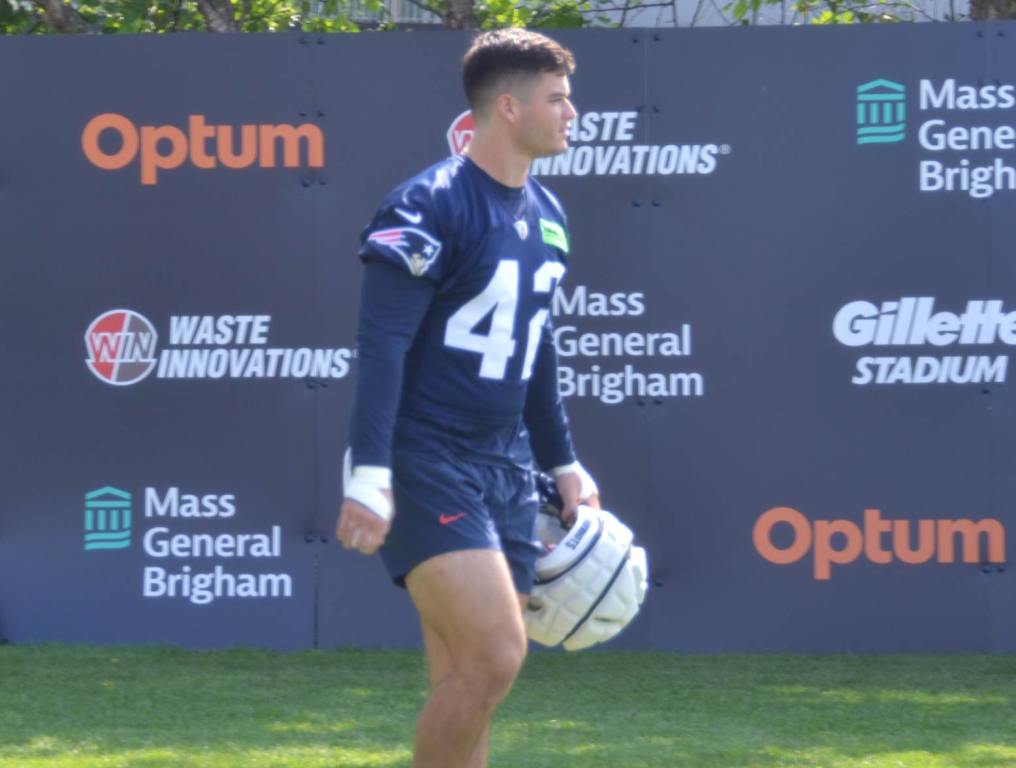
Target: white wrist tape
[
  {"x": 366, "y": 485},
  {"x": 587, "y": 485}
]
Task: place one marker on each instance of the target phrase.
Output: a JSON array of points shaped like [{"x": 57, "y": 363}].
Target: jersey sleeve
[
  {"x": 392, "y": 306},
  {"x": 544, "y": 414},
  {"x": 409, "y": 232}
]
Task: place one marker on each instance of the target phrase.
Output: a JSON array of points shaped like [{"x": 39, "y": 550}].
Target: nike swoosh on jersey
[
  {"x": 412, "y": 218},
  {"x": 449, "y": 519}
]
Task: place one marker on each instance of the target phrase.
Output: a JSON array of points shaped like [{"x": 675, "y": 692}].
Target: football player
[{"x": 456, "y": 388}]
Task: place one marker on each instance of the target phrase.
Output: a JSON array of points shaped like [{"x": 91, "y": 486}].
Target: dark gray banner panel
[
  {"x": 784, "y": 234},
  {"x": 160, "y": 433},
  {"x": 784, "y": 334},
  {"x": 998, "y": 585}
]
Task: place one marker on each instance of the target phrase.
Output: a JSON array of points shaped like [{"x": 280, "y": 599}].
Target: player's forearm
[
  {"x": 544, "y": 414},
  {"x": 375, "y": 404},
  {"x": 392, "y": 304}
]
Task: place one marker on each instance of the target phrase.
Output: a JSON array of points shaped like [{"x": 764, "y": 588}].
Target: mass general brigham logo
[
  {"x": 881, "y": 112},
  {"x": 107, "y": 519}
]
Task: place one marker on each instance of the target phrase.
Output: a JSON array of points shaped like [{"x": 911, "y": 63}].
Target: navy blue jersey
[
  {"x": 495, "y": 255},
  {"x": 482, "y": 261}
]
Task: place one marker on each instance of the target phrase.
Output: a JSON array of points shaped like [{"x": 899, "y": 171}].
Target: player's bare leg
[
  {"x": 439, "y": 664},
  {"x": 467, "y": 601}
]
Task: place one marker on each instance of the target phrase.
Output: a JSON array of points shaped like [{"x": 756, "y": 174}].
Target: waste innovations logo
[
  {"x": 881, "y": 112},
  {"x": 604, "y": 144},
  {"x": 966, "y": 132},
  {"x": 460, "y": 132},
  {"x": 122, "y": 348},
  {"x": 107, "y": 519},
  {"x": 187, "y": 554}
]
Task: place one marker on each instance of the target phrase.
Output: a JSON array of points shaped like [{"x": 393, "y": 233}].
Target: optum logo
[
  {"x": 841, "y": 542},
  {"x": 111, "y": 141}
]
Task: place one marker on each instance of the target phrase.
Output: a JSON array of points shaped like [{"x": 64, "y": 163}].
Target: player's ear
[{"x": 507, "y": 107}]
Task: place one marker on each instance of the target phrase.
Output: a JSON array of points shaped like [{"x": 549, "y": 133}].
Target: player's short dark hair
[{"x": 502, "y": 54}]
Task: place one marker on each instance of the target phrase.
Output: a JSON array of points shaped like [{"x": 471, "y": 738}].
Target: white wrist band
[
  {"x": 379, "y": 476},
  {"x": 370, "y": 495},
  {"x": 564, "y": 469},
  {"x": 366, "y": 485},
  {"x": 587, "y": 486}
]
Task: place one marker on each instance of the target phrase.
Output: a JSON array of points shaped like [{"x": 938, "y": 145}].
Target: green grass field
[{"x": 78, "y": 707}]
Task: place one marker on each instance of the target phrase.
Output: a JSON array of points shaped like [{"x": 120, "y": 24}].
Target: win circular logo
[
  {"x": 460, "y": 133},
  {"x": 121, "y": 347}
]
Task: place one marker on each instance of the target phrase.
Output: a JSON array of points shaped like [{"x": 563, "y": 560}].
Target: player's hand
[
  {"x": 570, "y": 486},
  {"x": 360, "y": 529}
]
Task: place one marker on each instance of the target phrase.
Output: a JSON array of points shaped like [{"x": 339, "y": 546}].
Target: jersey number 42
[{"x": 501, "y": 295}]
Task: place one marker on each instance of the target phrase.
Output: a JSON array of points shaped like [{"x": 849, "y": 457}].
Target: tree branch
[
  {"x": 61, "y": 16},
  {"x": 429, "y": 7},
  {"x": 218, "y": 15},
  {"x": 459, "y": 14},
  {"x": 990, "y": 10},
  {"x": 694, "y": 16}
]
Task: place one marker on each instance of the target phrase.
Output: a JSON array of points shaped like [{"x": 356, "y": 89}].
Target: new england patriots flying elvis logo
[{"x": 417, "y": 248}]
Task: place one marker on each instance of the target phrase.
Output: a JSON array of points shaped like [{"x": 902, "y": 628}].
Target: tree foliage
[
  {"x": 745, "y": 12},
  {"x": 162, "y": 16}
]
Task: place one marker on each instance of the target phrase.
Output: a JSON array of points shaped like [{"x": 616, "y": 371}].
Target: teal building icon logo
[
  {"x": 881, "y": 112},
  {"x": 107, "y": 519}
]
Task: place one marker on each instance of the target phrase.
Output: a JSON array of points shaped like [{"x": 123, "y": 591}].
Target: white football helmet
[{"x": 590, "y": 582}]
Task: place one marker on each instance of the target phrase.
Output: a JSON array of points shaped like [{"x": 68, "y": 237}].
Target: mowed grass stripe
[{"x": 133, "y": 707}]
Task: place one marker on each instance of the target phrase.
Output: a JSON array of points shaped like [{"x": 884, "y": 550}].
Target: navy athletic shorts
[{"x": 449, "y": 498}]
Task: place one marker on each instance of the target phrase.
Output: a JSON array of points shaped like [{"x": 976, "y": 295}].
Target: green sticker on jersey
[{"x": 554, "y": 234}]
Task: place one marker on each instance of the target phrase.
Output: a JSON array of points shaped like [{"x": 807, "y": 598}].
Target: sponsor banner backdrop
[
  {"x": 784, "y": 336},
  {"x": 167, "y": 363},
  {"x": 1000, "y": 588},
  {"x": 782, "y": 423}
]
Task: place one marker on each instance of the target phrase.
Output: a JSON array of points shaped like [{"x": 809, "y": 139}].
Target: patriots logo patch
[{"x": 417, "y": 248}]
